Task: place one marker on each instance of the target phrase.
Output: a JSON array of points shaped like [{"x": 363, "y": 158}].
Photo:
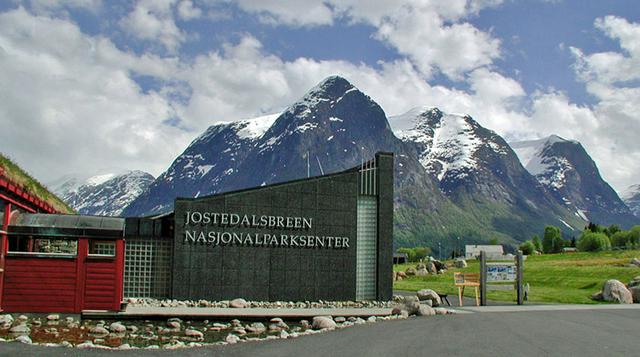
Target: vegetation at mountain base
[
  {"x": 567, "y": 278},
  {"x": 415, "y": 254}
]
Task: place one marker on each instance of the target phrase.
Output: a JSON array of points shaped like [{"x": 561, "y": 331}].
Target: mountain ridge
[{"x": 471, "y": 185}]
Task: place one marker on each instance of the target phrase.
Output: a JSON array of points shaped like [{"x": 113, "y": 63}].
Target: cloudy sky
[{"x": 91, "y": 84}]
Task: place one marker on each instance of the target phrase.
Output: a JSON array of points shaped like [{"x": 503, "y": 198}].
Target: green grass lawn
[{"x": 554, "y": 278}]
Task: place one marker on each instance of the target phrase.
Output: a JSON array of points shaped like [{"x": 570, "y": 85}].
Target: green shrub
[
  {"x": 634, "y": 236},
  {"x": 621, "y": 239},
  {"x": 415, "y": 254},
  {"x": 527, "y": 247},
  {"x": 552, "y": 240},
  {"x": 593, "y": 242},
  {"x": 537, "y": 243}
]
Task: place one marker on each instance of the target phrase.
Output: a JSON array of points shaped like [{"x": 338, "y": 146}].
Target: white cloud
[
  {"x": 85, "y": 110},
  {"x": 47, "y": 6},
  {"x": 431, "y": 33},
  {"x": 609, "y": 128},
  {"x": 71, "y": 105},
  {"x": 187, "y": 11},
  {"x": 295, "y": 13},
  {"x": 153, "y": 20}
]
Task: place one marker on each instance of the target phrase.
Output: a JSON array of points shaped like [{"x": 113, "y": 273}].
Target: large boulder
[
  {"x": 410, "y": 304},
  {"x": 439, "y": 265},
  {"x": 421, "y": 266},
  {"x": 256, "y": 327},
  {"x": 636, "y": 262},
  {"x": 410, "y": 271},
  {"x": 428, "y": 294},
  {"x": 194, "y": 333},
  {"x": 6, "y": 321},
  {"x": 634, "y": 282},
  {"x": 99, "y": 331},
  {"x": 425, "y": 310},
  {"x": 615, "y": 291},
  {"x": 460, "y": 263},
  {"x": 322, "y": 322},
  {"x": 635, "y": 293},
  {"x": 21, "y": 329},
  {"x": 238, "y": 303},
  {"x": 431, "y": 268},
  {"x": 117, "y": 327},
  {"x": 422, "y": 272}
]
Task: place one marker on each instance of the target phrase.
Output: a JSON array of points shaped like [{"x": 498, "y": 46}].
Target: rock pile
[
  {"x": 175, "y": 333},
  {"x": 242, "y": 303},
  {"x": 430, "y": 297},
  {"x": 411, "y": 305},
  {"x": 432, "y": 266},
  {"x": 615, "y": 291},
  {"x": 460, "y": 263}
]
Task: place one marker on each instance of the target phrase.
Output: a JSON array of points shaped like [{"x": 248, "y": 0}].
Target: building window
[
  {"x": 42, "y": 245},
  {"x": 102, "y": 248}
]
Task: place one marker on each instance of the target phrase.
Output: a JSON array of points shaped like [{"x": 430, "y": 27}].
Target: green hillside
[
  {"x": 554, "y": 278},
  {"x": 14, "y": 173}
]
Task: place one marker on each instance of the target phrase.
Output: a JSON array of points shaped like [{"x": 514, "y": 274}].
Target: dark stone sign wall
[{"x": 290, "y": 241}]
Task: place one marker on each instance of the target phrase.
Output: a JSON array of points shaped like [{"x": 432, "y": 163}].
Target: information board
[{"x": 501, "y": 272}]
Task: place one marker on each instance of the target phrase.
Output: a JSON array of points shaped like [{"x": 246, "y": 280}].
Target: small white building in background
[{"x": 473, "y": 251}]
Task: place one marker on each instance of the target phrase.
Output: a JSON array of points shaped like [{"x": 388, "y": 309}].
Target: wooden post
[
  {"x": 81, "y": 257},
  {"x": 4, "y": 245},
  {"x": 483, "y": 278},
  {"x": 119, "y": 274},
  {"x": 519, "y": 282}
]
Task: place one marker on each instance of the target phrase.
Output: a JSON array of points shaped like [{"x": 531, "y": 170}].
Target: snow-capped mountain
[
  {"x": 105, "y": 194},
  {"x": 567, "y": 171},
  {"x": 449, "y": 145},
  {"x": 335, "y": 124},
  {"x": 632, "y": 198},
  {"x": 476, "y": 167},
  {"x": 200, "y": 169},
  {"x": 453, "y": 177}
]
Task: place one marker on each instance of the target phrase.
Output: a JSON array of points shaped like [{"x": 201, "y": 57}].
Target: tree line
[{"x": 594, "y": 238}]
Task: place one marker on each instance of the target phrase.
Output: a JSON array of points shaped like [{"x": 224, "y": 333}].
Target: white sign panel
[{"x": 501, "y": 272}]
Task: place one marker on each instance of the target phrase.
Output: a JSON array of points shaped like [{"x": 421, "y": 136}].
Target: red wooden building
[{"x": 56, "y": 262}]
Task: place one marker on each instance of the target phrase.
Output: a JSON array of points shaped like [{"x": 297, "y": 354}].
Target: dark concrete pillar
[{"x": 384, "y": 180}]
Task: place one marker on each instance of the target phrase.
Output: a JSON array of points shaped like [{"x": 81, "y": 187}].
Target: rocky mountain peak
[
  {"x": 105, "y": 194},
  {"x": 631, "y": 197},
  {"x": 567, "y": 171},
  {"x": 448, "y": 144}
]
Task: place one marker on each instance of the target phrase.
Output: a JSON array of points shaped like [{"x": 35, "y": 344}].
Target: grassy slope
[
  {"x": 554, "y": 278},
  {"x": 19, "y": 176}
]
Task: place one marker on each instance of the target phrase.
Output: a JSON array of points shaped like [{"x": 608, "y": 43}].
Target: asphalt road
[{"x": 535, "y": 333}]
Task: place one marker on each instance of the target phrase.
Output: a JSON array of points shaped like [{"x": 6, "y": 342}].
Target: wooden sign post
[{"x": 501, "y": 272}]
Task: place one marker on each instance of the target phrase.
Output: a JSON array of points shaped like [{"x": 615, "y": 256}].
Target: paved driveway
[{"x": 600, "y": 332}]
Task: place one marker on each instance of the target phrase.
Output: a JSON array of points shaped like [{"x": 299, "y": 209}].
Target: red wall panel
[
  {"x": 39, "y": 285},
  {"x": 100, "y": 285},
  {"x": 43, "y": 284}
]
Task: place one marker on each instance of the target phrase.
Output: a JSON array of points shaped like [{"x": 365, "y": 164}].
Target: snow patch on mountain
[
  {"x": 549, "y": 170},
  {"x": 256, "y": 127},
  {"x": 100, "y": 179},
  {"x": 631, "y": 192},
  {"x": 449, "y": 142},
  {"x": 631, "y": 197},
  {"x": 104, "y": 194}
]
